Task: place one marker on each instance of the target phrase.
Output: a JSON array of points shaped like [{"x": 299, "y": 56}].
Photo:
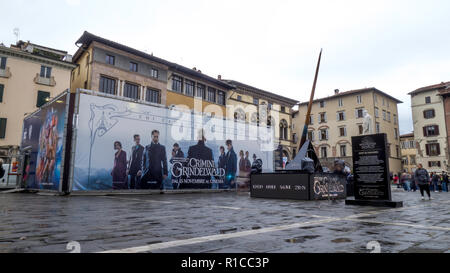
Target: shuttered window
[
  {"x": 432, "y": 130},
  {"x": 42, "y": 98},
  {"x": 152, "y": 95},
  {"x": 107, "y": 85},
  {"x": 433, "y": 149},
  {"x": 131, "y": 91},
  {"x": 2, "y": 127}
]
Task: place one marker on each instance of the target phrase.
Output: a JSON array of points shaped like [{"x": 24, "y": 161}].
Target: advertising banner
[
  {"x": 43, "y": 131},
  {"x": 124, "y": 145}
]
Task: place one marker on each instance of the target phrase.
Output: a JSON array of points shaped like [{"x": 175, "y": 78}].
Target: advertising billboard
[
  {"x": 121, "y": 145},
  {"x": 43, "y": 131}
]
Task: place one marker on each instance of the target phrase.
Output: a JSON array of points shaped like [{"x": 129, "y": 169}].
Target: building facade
[
  {"x": 430, "y": 130},
  {"x": 254, "y": 105},
  {"x": 335, "y": 119},
  {"x": 119, "y": 70},
  {"x": 30, "y": 74},
  {"x": 409, "y": 153}
]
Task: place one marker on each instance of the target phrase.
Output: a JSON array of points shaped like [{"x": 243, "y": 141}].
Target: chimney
[
  {"x": 195, "y": 68},
  {"x": 336, "y": 91},
  {"x": 199, "y": 71},
  {"x": 219, "y": 77}
]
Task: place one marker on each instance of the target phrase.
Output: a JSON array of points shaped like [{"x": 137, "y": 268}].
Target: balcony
[
  {"x": 45, "y": 81},
  {"x": 5, "y": 73}
]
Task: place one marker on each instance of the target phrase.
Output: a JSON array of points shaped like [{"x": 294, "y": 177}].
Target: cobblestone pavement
[{"x": 220, "y": 222}]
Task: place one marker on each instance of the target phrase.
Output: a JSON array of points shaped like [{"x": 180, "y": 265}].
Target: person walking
[
  {"x": 413, "y": 183},
  {"x": 405, "y": 180},
  {"x": 396, "y": 181},
  {"x": 422, "y": 178},
  {"x": 435, "y": 181},
  {"x": 444, "y": 182}
]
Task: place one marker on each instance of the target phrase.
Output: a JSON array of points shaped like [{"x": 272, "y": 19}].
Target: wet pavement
[{"x": 220, "y": 222}]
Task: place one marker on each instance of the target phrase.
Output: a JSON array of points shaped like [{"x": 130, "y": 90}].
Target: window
[
  {"x": 107, "y": 85},
  {"x": 322, "y": 104},
  {"x": 46, "y": 72},
  {"x": 283, "y": 109},
  {"x": 323, "y": 152},
  {"x": 387, "y": 103},
  {"x": 239, "y": 98},
  {"x": 433, "y": 149},
  {"x": 405, "y": 160},
  {"x": 42, "y": 98},
  {"x": 434, "y": 164},
  {"x": 375, "y": 98},
  {"x": 427, "y": 100},
  {"x": 2, "y": 89},
  {"x": 189, "y": 88},
  {"x": 2, "y": 127},
  {"x": 3, "y": 63},
  {"x": 177, "y": 84},
  {"x": 133, "y": 67},
  {"x": 323, "y": 117},
  {"x": 200, "y": 91},
  {"x": 395, "y": 119},
  {"x": 389, "y": 116},
  {"x": 432, "y": 130},
  {"x": 311, "y": 136},
  {"x": 154, "y": 73},
  {"x": 311, "y": 120},
  {"x": 110, "y": 59},
  {"x": 384, "y": 115},
  {"x": 383, "y": 102},
  {"x": 360, "y": 129},
  {"x": 412, "y": 159},
  {"x": 221, "y": 97},
  {"x": 377, "y": 127},
  {"x": 429, "y": 114},
  {"x": 395, "y": 133},
  {"x": 255, "y": 101},
  {"x": 340, "y": 103},
  {"x": 343, "y": 150},
  {"x": 323, "y": 134},
  {"x": 377, "y": 114},
  {"x": 211, "y": 96},
  {"x": 270, "y": 106},
  {"x": 284, "y": 129},
  {"x": 153, "y": 95},
  {"x": 342, "y": 131},
  {"x": 131, "y": 91},
  {"x": 359, "y": 113},
  {"x": 340, "y": 116},
  {"x": 359, "y": 99},
  {"x": 397, "y": 151}
]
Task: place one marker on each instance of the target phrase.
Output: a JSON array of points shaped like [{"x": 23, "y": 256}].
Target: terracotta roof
[
  {"x": 261, "y": 92},
  {"x": 407, "y": 135},
  {"x": 356, "y": 91},
  {"x": 430, "y": 87},
  {"x": 87, "y": 38}
]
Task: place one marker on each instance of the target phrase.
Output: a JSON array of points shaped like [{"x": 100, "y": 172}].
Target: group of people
[
  {"x": 424, "y": 181},
  {"x": 147, "y": 167}
]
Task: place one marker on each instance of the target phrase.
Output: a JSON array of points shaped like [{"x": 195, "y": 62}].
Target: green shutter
[
  {"x": 42, "y": 98},
  {"x": 2, "y": 127},
  {"x": 2, "y": 88}
]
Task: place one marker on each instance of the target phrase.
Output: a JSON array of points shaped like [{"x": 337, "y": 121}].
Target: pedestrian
[
  {"x": 2, "y": 170},
  {"x": 406, "y": 181},
  {"x": 422, "y": 178},
  {"x": 396, "y": 181},
  {"x": 444, "y": 182},
  {"x": 435, "y": 182},
  {"x": 413, "y": 183}
]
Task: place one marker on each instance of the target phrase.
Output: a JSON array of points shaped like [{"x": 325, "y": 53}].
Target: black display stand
[{"x": 371, "y": 172}]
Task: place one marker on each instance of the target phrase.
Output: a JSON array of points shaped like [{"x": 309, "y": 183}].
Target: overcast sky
[{"x": 395, "y": 46}]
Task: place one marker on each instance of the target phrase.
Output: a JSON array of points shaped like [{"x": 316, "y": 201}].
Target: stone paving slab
[{"x": 237, "y": 223}]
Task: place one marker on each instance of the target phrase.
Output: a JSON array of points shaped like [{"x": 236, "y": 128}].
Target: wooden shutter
[
  {"x": 326, "y": 132},
  {"x": 2, "y": 88},
  {"x": 438, "y": 148},
  {"x": 425, "y": 131},
  {"x": 2, "y": 127},
  {"x": 320, "y": 135},
  {"x": 427, "y": 149},
  {"x": 436, "y": 129}
]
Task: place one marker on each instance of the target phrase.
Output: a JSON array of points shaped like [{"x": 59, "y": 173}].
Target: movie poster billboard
[
  {"x": 43, "y": 131},
  {"x": 122, "y": 145}
]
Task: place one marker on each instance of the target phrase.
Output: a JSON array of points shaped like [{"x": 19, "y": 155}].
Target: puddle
[
  {"x": 341, "y": 240},
  {"x": 301, "y": 239}
]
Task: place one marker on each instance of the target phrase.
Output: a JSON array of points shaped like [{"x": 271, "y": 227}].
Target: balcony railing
[
  {"x": 5, "y": 73},
  {"x": 44, "y": 81}
]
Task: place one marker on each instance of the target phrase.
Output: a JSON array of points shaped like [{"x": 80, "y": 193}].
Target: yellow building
[
  {"x": 335, "y": 119},
  {"x": 30, "y": 74},
  {"x": 409, "y": 152},
  {"x": 119, "y": 70},
  {"x": 247, "y": 101}
]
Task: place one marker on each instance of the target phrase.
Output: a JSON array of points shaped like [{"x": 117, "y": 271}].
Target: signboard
[
  {"x": 104, "y": 124},
  {"x": 280, "y": 185},
  {"x": 371, "y": 168},
  {"x": 328, "y": 186},
  {"x": 43, "y": 131}
]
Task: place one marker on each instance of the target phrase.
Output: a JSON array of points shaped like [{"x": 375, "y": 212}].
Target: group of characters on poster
[
  {"x": 48, "y": 147},
  {"x": 147, "y": 167}
]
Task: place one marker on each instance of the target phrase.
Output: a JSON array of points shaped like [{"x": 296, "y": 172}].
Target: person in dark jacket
[
  {"x": 200, "y": 152},
  {"x": 231, "y": 165},
  {"x": 135, "y": 162},
  {"x": 435, "y": 181},
  {"x": 154, "y": 164},
  {"x": 119, "y": 171},
  {"x": 444, "y": 182},
  {"x": 422, "y": 178},
  {"x": 2, "y": 170}
]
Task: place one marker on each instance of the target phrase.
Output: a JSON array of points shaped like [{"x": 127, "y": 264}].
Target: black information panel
[
  {"x": 371, "y": 167},
  {"x": 280, "y": 185},
  {"x": 328, "y": 186}
]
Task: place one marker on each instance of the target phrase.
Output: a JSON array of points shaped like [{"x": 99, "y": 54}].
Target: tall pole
[{"x": 308, "y": 113}]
